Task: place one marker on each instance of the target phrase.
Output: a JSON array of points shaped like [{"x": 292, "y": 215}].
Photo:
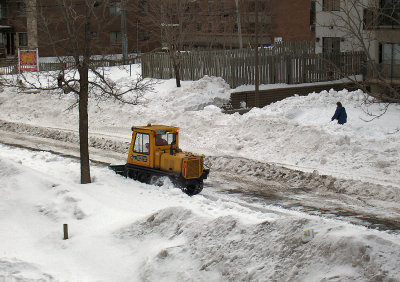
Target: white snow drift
[{"x": 121, "y": 230}]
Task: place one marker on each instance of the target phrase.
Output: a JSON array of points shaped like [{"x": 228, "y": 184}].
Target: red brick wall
[{"x": 291, "y": 20}]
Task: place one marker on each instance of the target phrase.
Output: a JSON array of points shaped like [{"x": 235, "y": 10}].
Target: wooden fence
[
  {"x": 8, "y": 66},
  {"x": 237, "y": 66}
]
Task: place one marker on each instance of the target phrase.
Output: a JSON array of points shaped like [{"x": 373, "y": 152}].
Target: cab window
[
  {"x": 165, "y": 139},
  {"x": 142, "y": 143}
]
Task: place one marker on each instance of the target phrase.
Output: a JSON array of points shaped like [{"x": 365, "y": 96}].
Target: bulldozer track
[{"x": 264, "y": 202}]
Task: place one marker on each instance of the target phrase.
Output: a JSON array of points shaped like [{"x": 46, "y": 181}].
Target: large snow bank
[
  {"x": 295, "y": 132},
  {"x": 121, "y": 230}
]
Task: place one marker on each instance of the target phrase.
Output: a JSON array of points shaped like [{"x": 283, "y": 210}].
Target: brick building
[
  {"x": 225, "y": 24},
  {"x": 209, "y": 24}
]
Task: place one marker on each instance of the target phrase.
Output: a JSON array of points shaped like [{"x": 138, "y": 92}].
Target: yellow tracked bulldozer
[{"x": 154, "y": 153}]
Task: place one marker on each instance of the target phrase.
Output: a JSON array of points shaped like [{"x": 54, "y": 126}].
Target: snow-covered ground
[{"x": 121, "y": 230}]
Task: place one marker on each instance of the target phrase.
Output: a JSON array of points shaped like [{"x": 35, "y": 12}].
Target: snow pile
[
  {"x": 309, "y": 140},
  {"x": 296, "y": 132},
  {"x": 192, "y": 96},
  {"x": 271, "y": 250},
  {"x": 122, "y": 230}
]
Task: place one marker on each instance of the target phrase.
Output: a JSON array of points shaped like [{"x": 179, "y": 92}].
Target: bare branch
[
  {"x": 78, "y": 72},
  {"x": 357, "y": 25}
]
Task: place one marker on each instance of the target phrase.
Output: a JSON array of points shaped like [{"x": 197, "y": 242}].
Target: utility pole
[
  {"x": 32, "y": 29},
  {"x": 137, "y": 37},
  {"x": 124, "y": 32},
  {"x": 239, "y": 24},
  {"x": 256, "y": 63}
]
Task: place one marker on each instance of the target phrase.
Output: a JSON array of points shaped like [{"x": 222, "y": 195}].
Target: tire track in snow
[{"x": 251, "y": 183}]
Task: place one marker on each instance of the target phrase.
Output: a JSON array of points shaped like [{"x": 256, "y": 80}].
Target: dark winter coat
[{"x": 340, "y": 115}]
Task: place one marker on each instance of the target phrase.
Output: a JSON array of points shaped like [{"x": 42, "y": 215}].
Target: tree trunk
[
  {"x": 177, "y": 75},
  {"x": 83, "y": 125},
  {"x": 175, "y": 65}
]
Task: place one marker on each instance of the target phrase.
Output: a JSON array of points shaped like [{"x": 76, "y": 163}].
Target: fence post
[{"x": 65, "y": 231}]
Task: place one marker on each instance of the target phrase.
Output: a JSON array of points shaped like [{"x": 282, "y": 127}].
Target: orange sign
[{"x": 28, "y": 60}]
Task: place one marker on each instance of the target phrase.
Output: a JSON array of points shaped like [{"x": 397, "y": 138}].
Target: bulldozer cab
[{"x": 148, "y": 142}]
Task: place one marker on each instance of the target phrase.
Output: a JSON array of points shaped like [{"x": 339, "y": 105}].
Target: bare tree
[
  {"x": 256, "y": 20},
  {"x": 71, "y": 28},
  {"x": 369, "y": 27},
  {"x": 175, "y": 22}
]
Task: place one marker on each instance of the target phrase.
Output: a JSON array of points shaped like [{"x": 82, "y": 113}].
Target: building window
[
  {"x": 198, "y": 26},
  {"x": 143, "y": 35},
  {"x": 252, "y": 28},
  {"x": 4, "y": 10},
  {"x": 389, "y": 14},
  {"x": 210, "y": 6},
  {"x": 331, "y": 5},
  {"x": 391, "y": 53},
  {"x": 143, "y": 6},
  {"x": 21, "y": 9},
  {"x": 22, "y": 39},
  {"x": 390, "y": 60},
  {"x": 390, "y": 4},
  {"x": 330, "y": 45},
  {"x": 312, "y": 13},
  {"x": 251, "y": 7},
  {"x": 210, "y": 27},
  {"x": 115, "y": 8},
  {"x": 1, "y": 41},
  {"x": 115, "y": 37}
]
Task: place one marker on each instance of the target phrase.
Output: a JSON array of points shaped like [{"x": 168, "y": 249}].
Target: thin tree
[
  {"x": 174, "y": 21},
  {"x": 256, "y": 58},
  {"x": 256, "y": 20},
  {"x": 75, "y": 30},
  {"x": 358, "y": 23}
]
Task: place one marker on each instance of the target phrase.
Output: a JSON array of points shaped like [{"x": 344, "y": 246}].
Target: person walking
[{"x": 340, "y": 114}]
